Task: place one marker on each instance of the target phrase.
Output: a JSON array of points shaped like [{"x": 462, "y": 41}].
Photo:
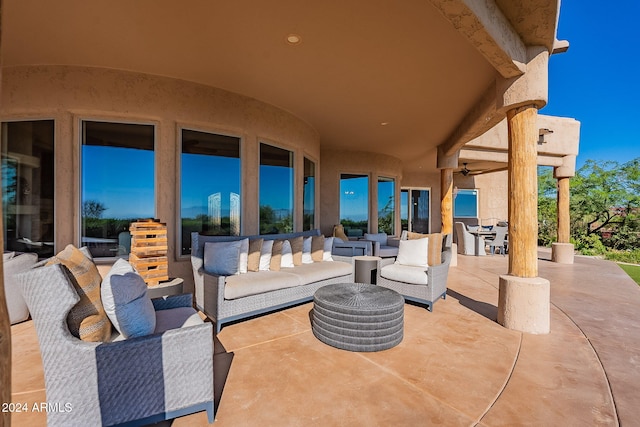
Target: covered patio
[{"x": 455, "y": 366}]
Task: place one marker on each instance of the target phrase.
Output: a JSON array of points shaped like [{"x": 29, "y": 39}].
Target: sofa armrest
[{"x": 172, "y": 301}]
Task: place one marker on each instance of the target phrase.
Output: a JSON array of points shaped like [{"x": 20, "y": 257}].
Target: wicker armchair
[
  {"x": 137, "y": 381},
  {"x": 429, "y": 293}
]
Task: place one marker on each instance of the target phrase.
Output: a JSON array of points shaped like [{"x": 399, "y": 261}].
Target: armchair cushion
[
  {"x": 405, "y": 273},
  {"x": 87, "y": 320},
  {"x": 222, "y": 258},
  {"x": 413, "y": 252},
  {"x": 134, "y": 311}
]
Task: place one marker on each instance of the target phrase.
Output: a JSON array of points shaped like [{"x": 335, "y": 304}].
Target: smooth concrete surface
[
  {"x": 562, "y": 253},
  {"x": 455, "y": 366}
]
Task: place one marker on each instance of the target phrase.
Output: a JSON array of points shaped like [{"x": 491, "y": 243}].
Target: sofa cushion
[
  {"x": 296, "y": 249},
  {"x": 413, "y": 252},
  {"x": 276, "y": 255},
  {"x": 222, "y": 258},
  {"x": 87, "y": 320},
  {"x": 405, "y": 273},
  {"x": 310, "y": 273},
  {"x": 134, "y": 312},
  {"x": 265, "y": 255},
  {"x": 243, "y": 258},
  {"x": 306, "y": 250},
  {"x": 18, "y": 311},
  {"x": 257, "y": 283},
  {"x": 287, "y": 255},
  {"x": 174, "y": 318},
  {"x": 317, "y": 248},
  {"x": 253, "y": 259},
  {"x": 435, "y": 246}
]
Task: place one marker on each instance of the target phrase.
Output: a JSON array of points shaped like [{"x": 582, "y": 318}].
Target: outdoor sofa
[{"x": 228, "y": 297}]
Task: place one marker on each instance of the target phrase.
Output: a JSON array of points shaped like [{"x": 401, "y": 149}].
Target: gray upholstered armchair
[
  {"x": 418, "y": 284},
  {"x": 136, "y": 381},
  {"x": 468, "y": 244}
]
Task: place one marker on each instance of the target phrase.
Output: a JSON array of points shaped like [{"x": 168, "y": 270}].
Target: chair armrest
[
  {"x": 155, "y": 374},
  {"x": 172, "y": 301},
  {"x": 352, "y": 248},
  {"x": 393, "y": 241}
]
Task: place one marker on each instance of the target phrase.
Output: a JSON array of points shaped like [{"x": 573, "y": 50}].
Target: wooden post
[
  {"x": 563, "y": 210},
  {"x": 523, "y": 191},
  {"x": 446, "y": 200},
  {"x": 5, "y": 332}
]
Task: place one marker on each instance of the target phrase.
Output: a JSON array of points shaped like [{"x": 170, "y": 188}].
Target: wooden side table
[{"x": 173, "y": 286}]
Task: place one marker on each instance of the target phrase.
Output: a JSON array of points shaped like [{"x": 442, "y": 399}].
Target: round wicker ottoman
[{"x": 358, "y": 317}]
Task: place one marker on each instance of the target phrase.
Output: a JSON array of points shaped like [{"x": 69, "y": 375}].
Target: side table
[
  {"x": 366, "y": 269},
  {"x": 173, "y": 286}
]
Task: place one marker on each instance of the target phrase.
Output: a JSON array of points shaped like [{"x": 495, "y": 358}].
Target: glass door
[{"x": 415, "y": 209}]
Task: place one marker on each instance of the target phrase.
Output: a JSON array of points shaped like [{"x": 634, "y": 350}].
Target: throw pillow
[
  {"x": 253, "y": 261},
  {"x": 296, "y": 249},
  {"x": 87, "y": 319},
  {"x": 306, "y": 250},
  {"x": 120, "y": 267},
  {"x": 287, "y": 255},
  {"x": 276, "y": 255},
  {"x": 413, "y": 252},
  {"x": 317, "y": 248},
  {"x": 18, "y": 310},
  {"x": 134, "y": 310},
  {"x": 265, "y": 255},
  {"x": 7, "y": 256},
  {"x": 327, "y": 247},
  {"x": 435, "y": 246},
  {"x": 222, "y": 258},
  {"x": 244, "y": 256},
  {"x": 338, "y": 231}
]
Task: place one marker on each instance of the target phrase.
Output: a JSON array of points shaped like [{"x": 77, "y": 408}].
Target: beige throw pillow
[
  {"x": 296, "y": 249},
  {"x": 253, "y": 261},
  {"x": 87, "y": 319},
  {"x": 276, "y": 255},
  {"x": 317, "y": 248}
]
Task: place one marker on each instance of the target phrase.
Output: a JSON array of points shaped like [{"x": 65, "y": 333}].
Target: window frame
[
  {"x": 410, "y": 211},
  {"x": 475, "y": 192},
  {"x": 294, "y": 187},
  {"x": 394, "y": 204},
  {"x": 316, "y": 179},
  {"x": 368, "y": 175}
]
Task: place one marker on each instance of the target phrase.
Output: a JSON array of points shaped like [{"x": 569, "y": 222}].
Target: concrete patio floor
[{"x": 455, "y": 366}]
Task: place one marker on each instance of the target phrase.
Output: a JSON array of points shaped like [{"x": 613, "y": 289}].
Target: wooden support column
[
  {"x": 563, "y": 210},
  {"x": 562, "y": 250},
  {"x": 524, "y": 299},
  {"x": 523, "y": 191},
  {"x": 5, "y": 335},
  {"x": 446, "y": 200}
]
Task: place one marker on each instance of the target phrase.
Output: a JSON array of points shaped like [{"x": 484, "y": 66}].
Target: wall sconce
[{"x": 541, "y": 133}]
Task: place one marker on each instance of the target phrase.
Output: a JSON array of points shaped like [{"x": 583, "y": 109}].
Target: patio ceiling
[{"x": 390, "y": 77}]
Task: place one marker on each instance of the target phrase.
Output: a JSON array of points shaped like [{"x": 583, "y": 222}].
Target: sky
[{"x": 597, "y": 80}]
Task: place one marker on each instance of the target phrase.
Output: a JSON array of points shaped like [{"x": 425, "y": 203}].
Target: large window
[
  {"x": 117, "y": 184},
  {"x": 276, "y": 190},
  {"x": 27, "y": 186},
  {"x": 386, "y": 205},
  {"x": 414, "y": 209},
  {"x": 466, "y": 204},
  {"x": 354, "y": 204},
  {"x": 210, "y": 185},
  {"x": 309, "y": 195}
]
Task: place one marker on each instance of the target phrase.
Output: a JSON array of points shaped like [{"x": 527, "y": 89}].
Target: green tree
[{"x": 93, "y": 209}]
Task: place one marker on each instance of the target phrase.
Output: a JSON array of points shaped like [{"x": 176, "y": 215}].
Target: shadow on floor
[{"x": 487, "y": 310}]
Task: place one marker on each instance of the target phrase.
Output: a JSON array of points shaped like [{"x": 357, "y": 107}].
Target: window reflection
[
  {"x": 276, "y": 190},
  {"x": 354, "y": 204},
  {"x": 210, "y": 185},
  {"x": 386, "y": 205},
  {"x": 466, "y": 204},
  {"x": 309, "y": 195}
]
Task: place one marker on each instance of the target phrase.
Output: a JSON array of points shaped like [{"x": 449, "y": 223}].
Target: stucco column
[
  {"x": 446, "y": 200},
  {"x": 524, "y": 299},
  {"x": 562, "y": 250}
]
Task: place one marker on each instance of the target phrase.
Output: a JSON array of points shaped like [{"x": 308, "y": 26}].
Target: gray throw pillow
[
  {"x": 134, "y": 310},
  {"x": 222, "y": 258}
]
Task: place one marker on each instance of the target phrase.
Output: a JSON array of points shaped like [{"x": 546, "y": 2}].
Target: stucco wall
[
  {"x": 69, "y": 94},
  {"x": 492, "y": 195},
  {"x": 336, "y": 162}
]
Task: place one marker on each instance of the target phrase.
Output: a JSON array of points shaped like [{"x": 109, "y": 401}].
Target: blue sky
[{"x": 595, "y": 81}]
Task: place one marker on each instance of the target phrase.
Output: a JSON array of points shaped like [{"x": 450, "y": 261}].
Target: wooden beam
[
  {"x": 523, "y": 192},
  {"x": 564, "y": 219},
  {"x": 446, "y": 200}
]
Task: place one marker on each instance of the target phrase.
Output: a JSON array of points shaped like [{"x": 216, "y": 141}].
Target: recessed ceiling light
[
  {"x": 294, "y": 39},
  {"x": 384, "y": 123}
]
